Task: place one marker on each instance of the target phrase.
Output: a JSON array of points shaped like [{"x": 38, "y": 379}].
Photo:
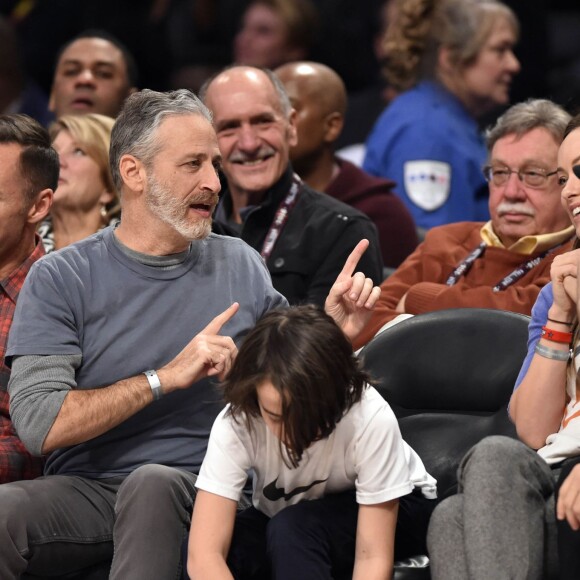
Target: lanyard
[
  {"x": 505, "y": 282},
  {"x": 281, "y": 217}
]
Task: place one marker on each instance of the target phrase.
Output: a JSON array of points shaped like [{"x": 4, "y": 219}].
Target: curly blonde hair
[{"x": 421, "y": 27}]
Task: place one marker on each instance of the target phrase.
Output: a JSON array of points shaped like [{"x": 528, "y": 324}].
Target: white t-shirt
[{"x": 365, "y": 452}]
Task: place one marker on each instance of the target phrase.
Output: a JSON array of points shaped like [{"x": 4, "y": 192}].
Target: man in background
[
  {"x": 505, "y": 262},
  {"x": 94, "y": 73},
  {"x": 28, "y": 177},
  {"x": 319, "y": 97},
  {"x": 303, "y": 235}
]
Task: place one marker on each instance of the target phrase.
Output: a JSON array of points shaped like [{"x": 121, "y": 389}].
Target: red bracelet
[{"x": 556, "y": 335}]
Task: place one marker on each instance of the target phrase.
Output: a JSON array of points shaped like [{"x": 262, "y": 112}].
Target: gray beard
[{"x": 173, "y": 212}]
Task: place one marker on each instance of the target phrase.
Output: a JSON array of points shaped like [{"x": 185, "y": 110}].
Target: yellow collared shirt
[{"x": 528, "y": 244}]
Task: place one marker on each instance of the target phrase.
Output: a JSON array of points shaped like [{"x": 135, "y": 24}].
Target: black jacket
[{"x": 314, "y": 244}]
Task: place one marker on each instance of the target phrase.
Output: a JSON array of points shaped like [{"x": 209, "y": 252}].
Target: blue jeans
[{"x": 60, "y": 524}]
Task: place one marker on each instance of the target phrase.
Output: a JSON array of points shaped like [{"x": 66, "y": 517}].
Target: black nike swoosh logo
[{"x": 274, "y": 493}]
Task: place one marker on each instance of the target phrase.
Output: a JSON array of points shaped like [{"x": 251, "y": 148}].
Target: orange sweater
[{"x": 423, "y": 274}]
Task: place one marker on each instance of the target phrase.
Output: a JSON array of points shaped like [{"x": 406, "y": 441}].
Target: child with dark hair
[{"x": 330, "y": 468}]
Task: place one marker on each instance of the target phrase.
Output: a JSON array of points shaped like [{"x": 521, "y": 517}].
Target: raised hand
[
  {"x": 208, "y": 354},
  {"x": 564, "y": 275},
  {"x": 352, "y": 296}
]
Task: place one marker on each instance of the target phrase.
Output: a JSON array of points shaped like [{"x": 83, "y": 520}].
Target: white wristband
[
  {"x": 155, "y": 384},
  {"x": 553, "y": 353}
]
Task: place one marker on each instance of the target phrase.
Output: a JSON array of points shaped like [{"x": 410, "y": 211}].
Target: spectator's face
[
  {"x": 80, "y": 183},
  {"x": 90, "y": 77},
  {"x": 253, "y": 133},
  {"x": 516, "y": 208},
  {"x": 311, "y": 116},
  {"x": 182, "y": 180},
  {"x": 261, "y": 41},
  {"x": 16, "y": 215},
  {"x": 270, "y": 404},
  {"x": 487, "y": 81},
  {"x": 568, "y": 159}
]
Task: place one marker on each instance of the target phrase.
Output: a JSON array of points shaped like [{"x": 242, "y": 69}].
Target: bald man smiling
[{"x": 319, "y": 97}]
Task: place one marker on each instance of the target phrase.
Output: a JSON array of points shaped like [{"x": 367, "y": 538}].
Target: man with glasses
[{"x": 501, "y": 264}]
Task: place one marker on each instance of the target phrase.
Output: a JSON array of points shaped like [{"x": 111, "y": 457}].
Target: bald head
[
  {"x": 254, "y": 123},
  {"x": 249, "y": 76},
  {"x": 318, "y": 95},
  {"x": 316, "y": 81}
]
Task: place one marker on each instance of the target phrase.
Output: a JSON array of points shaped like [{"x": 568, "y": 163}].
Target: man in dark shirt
[
  {"x": 303, "y": 235},
  {"x": 319, "y": 97}
]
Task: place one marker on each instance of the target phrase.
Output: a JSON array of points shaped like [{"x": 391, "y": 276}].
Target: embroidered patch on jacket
[{"x": 427, "y": 183}]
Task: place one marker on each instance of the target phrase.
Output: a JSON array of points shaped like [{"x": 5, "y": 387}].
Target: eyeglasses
[{"x": 531, "y": 177}]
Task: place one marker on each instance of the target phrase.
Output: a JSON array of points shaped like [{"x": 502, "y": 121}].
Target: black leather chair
[{"x": 448, "y": 376}]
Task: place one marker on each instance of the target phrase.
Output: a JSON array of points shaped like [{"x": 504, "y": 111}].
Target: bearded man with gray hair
[
  {"x": 114, "y": 347},
  {"x": 504, "y": 263}
]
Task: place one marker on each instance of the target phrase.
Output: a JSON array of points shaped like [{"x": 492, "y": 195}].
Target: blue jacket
[
  {"x": 429, "y": 144},
  {"x": 539, "y": 318}
]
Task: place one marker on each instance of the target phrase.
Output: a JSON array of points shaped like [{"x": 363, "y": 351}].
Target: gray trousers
[
  {"x": 58, "y": 524},
  {"x": 502, "y": 523}
]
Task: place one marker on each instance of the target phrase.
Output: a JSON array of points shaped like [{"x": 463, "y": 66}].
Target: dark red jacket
[{"x": 375, "y": 198}]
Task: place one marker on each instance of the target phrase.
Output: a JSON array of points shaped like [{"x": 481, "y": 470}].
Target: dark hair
[
  {"x": 573, "y": 124},
  {"x": 39, "y": 163},
  {"x": 128, "y": 59},
  {"x": 310, "y": 362}
]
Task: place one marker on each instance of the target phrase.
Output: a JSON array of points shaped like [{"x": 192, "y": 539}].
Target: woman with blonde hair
[
  {"x": 452, "y": 61},
  {"x": 85, "y": 200}
]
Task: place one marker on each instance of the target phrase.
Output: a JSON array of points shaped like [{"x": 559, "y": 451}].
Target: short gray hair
[
  {"x": 283, "y": 100},
  {"x": 531, "y": 114},
  {"x": 142, "y": 113}
]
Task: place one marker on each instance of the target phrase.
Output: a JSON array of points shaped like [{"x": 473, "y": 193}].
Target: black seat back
[{"x": 448, "y": 375}]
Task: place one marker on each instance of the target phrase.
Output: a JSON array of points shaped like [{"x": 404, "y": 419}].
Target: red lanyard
[{"x": 281, "y": 217}]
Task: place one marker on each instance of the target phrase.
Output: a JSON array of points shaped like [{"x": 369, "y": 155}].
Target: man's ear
[
  {"x": 132, "y": 173},
  {"x": 41, "y": 206},
  {"x": 292, "y": 132},
  {"x": 333, "y": 124}
]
